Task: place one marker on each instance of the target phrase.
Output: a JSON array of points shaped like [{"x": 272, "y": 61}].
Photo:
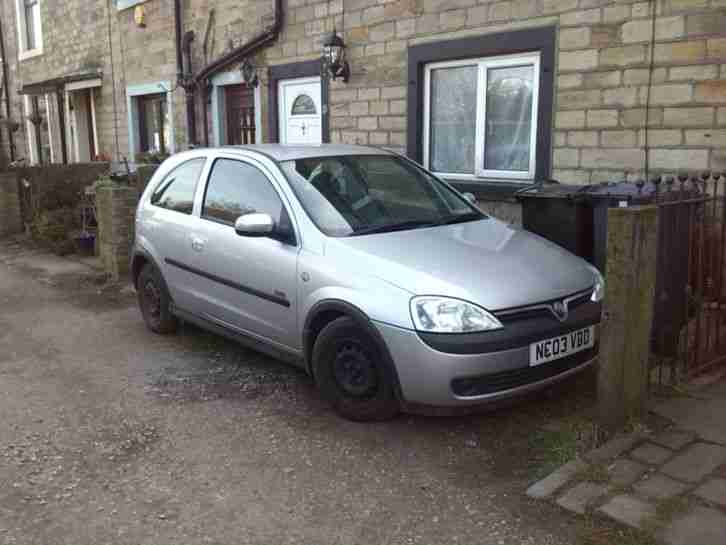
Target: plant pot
[{"x": 86, "y": 245}]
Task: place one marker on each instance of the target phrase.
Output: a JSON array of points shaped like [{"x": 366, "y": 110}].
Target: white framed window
[
  {"x": 126, "y": 4},
  {"x": 150, "y": 108},
  {"x": 480, "y": 117},
  {"x": 30, "y": 34}
]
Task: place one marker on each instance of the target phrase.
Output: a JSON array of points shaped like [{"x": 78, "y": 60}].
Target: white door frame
[{"x": 72, "y": 144}]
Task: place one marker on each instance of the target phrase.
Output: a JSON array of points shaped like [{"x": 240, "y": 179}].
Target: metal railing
[{"x": 689, "y": 326}]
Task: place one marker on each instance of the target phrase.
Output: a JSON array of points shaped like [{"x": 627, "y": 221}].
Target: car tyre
[
  {"x": 350, "y": 372},
  {"x": 154, "y": 301}
]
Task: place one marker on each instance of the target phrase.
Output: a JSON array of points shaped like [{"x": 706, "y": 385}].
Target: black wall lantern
[
  {"x": 334, "y": 57},
  {"x": 249, "y": 73}
]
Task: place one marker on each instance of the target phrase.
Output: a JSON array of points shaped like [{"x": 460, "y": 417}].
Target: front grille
[
  {"x": 514, "y": 378},
  {"x": 542, "y": 309}
]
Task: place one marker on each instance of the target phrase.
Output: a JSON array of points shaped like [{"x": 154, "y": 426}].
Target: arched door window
[{"x": 303, "y": 105}]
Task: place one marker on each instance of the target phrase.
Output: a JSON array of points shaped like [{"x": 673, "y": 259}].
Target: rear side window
[
  {"x": 235, "y": 189},
  {"x": 176, "y": 190}
]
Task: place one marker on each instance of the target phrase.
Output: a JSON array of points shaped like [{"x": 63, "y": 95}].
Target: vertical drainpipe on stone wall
[
  {"x": 61, "y": 122},
  {"x": 189, "y": 87},
  {"x": 6, "y": 92},
  {"x": 250, "y": 47},
  {"x": 205, "y": 116},
  {"x": 183, "y": 76}
]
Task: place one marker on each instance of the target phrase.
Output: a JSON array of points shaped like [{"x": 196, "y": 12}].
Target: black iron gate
[{"x": 689, "y": 327}]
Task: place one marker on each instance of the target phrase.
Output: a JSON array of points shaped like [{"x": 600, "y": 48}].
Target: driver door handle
[{"x": 197, "y": 243}]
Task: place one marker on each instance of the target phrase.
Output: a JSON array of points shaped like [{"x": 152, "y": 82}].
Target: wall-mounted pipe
[
  {"x": 6, "y": 92},
  {"x": 189, "y": 88},
  {"x": 183, "y": 74},
  {"x": 178, "y": 40},
  {"x": 245, "y": 49},
  {"x": 248, "y": 48}
]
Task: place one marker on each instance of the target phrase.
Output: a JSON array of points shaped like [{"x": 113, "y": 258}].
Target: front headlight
[
  {"x": 446, "y": 315},
  {"x": 598, "y": 292}
]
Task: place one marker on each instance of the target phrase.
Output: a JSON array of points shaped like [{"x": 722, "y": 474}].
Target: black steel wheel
[
  {"x": 154, "y": 301},
  {"x": 351, "y": 373}
]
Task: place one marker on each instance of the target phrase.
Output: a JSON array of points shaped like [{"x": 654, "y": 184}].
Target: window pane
[
  {"x": 509, "y": 118},
  {"x": 176, "y": 191},
  {"x": 453, "y": 119},
  {"x": 154, "y": 123},
  {"x": 30, "y": 42},
  {"x": 236, "y": 188},
  {"x": 351, "y": 194},
  {"x": 303, "y": 105}
]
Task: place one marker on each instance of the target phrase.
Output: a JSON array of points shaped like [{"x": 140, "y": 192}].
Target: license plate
[{"x": 561, "y": 346}]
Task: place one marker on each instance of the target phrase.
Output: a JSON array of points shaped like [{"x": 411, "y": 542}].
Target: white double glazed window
[
  {"x": 480, "y": 117},
  {"x": 30, "y": 35}
]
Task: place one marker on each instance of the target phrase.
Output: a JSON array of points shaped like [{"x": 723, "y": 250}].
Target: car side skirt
[{"x": 246, "y": 340}]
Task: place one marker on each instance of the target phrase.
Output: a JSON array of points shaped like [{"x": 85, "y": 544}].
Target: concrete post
[
  {"x": 115, "y": 208},
  {"x": 10, "y": 220},
  {"x": 629, "y": 297}
]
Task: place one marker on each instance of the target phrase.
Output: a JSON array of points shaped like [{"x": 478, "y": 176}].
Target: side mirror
[
  {"x": 254, "y": 225},
  {"x": 470, "y": 197}
]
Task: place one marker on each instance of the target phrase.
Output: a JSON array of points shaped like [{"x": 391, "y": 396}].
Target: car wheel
[
  {"x": 154, "y": 301},
  {"x": 350, "y": 372}
]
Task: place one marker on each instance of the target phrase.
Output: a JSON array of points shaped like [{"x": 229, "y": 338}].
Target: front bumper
[{"x": 434, "y": 378}]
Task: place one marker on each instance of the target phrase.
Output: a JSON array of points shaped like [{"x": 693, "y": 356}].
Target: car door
[
  {"x": 249, "y": 283},
  {"x": 169, "y": 223}
]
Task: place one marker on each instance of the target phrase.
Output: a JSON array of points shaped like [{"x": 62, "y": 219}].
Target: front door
[
  {"x": 248, "y": 284},
  {"x": 301, "y": 120},
  {"x": 239, "y": 102},
  {"x": 82, "y": 142}
]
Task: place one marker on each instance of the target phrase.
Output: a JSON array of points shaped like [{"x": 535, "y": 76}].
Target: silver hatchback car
[{"x": 383, "y": 282}]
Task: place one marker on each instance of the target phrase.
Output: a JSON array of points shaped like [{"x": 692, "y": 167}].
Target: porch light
[
  {"x": 140, "y": 16},
  {"x": 249, "y": 73},
  {"x": 334, "y": 57}
]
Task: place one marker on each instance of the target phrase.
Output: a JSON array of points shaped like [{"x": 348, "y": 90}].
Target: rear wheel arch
[
  {"x": 140, "y": 259},
  {"x": 325, "y": 312}
]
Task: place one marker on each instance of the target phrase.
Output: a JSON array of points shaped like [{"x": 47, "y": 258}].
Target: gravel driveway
[{"x": 109, "y": 433}]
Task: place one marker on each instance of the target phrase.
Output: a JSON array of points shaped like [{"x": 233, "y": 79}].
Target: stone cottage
[{"x": 490, "y": 94}]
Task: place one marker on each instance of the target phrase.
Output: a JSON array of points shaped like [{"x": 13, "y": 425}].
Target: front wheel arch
[{"x": 324, "y": 312}]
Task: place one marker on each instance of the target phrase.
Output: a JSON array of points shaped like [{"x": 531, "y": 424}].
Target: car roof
[{"x": 281, "y": 152}]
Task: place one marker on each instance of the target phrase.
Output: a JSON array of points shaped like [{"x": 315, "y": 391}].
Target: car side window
[
  {"x": 236, "y": 188},
  {"x": 176, "y": 191}
]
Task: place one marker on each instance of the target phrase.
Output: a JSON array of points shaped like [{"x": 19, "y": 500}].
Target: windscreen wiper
[
  {"x": 460, "y": 218},
  {"x": 389, "y": 227}
]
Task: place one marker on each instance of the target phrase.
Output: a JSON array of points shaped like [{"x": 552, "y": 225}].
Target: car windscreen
[{"x": 351, "y": 195}]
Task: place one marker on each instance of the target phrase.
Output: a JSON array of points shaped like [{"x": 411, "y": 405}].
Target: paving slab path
[{"x": 671, "y": 484}]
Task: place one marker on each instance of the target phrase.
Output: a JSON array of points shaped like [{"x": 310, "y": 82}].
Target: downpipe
[
  {"x": 6, "y": 92},
  {"x": 183, "y": 74}
]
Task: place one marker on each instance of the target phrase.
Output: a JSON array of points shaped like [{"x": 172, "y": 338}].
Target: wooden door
[{"x": 239, "y": 101}]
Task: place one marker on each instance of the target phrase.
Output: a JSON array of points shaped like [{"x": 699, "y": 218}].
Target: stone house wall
[{"x": 601, "y": 78}]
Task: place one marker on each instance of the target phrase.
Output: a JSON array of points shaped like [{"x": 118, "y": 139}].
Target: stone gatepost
[
  {"x": 628, "y": 316},
  {"x": 115, "y": 210},
  {"x": 10, "y": 220}
]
